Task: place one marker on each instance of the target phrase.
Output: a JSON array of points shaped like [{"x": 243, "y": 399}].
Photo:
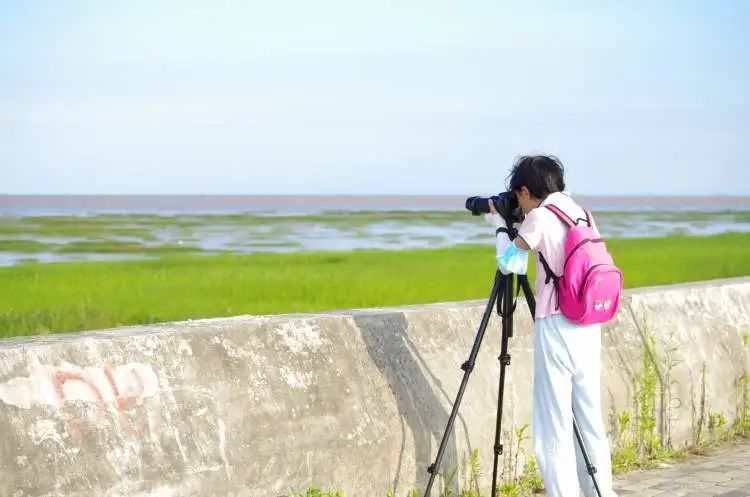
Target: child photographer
[{"x": 567, "y": 355}]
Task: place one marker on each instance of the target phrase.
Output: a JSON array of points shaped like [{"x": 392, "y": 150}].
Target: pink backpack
[{"x": 590, "y": 287}]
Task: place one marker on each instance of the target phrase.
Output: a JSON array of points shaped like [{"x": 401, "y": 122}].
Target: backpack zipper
[
  {"x": 586, "y": 277},
  {"x": 581, "y": 243}
]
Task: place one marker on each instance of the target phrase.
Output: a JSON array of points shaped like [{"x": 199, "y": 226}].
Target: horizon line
[{"x": 628, "y": 195}]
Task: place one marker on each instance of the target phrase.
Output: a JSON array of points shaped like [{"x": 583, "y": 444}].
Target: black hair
[{"x": 541, "y": 174}]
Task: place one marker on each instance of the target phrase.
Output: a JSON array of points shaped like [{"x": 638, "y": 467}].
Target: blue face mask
[{"x": 514, "y": 259}]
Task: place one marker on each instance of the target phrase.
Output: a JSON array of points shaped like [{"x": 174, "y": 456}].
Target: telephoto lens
[
  {"x": 479, "y": 205},
  {"x": 506, "y": 204}
]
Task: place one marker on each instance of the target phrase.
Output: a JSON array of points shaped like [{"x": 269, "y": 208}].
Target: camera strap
[
  {"x": 512, "y": 233},
  {"x": 500, "y": 303}
]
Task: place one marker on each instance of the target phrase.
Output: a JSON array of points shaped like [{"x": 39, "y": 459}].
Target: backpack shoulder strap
[
  {"x": 549, "y": 275},
  {"x": 567, "y": 221}
]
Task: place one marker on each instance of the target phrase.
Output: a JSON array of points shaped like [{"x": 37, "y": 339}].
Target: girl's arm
[
  {"x": 521, "y": 243},
  {"x": 512, "y": 257}
]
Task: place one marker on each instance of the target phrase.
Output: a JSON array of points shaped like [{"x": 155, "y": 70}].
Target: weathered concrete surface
[{"x": 253, "y": 406}]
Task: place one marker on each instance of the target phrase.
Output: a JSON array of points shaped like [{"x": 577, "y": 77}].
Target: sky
[{"x": 372, "y": 97}]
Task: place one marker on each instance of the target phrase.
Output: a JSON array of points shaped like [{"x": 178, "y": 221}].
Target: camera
[{"x": 506, "y": 204}]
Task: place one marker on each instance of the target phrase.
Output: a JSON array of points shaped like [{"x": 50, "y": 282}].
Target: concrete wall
[{"x": 252, "y": 406}]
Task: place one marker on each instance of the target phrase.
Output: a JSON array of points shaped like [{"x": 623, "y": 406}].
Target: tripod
[{"x": 502, "y": 294}]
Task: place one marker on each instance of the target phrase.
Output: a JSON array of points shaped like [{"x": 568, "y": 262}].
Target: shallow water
[{"x": 315, "y": 228}]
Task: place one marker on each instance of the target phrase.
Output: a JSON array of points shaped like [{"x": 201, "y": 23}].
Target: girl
[{"x": 567, "y": 356}]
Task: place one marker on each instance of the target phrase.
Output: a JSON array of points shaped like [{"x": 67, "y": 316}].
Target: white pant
[{"x": 567, "y": 371}]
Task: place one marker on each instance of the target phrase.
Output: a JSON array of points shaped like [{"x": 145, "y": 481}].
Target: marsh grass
[{"x": 60, "y": 297}]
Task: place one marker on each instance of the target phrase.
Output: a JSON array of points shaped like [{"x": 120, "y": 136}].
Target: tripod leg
[
  {"x": 505, "y": 303},
  {"x": 590, "y": 468},
  {"x": 467, "y": 367}
]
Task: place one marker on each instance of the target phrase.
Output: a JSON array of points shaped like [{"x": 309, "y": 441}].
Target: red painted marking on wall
[
  {"x": 124, "y": 401},
  {"x": 119, "y": 402},
  {"x": 61, "y": 377}
]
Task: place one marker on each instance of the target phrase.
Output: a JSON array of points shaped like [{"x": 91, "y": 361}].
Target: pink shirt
[{"x": 543, "y": 231}]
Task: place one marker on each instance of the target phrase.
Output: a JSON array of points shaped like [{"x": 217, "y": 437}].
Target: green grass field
[{"x": 53, "y": 298}]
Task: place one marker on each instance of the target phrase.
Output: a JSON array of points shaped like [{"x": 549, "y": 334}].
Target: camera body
[{"x": 506, "y": 204}]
